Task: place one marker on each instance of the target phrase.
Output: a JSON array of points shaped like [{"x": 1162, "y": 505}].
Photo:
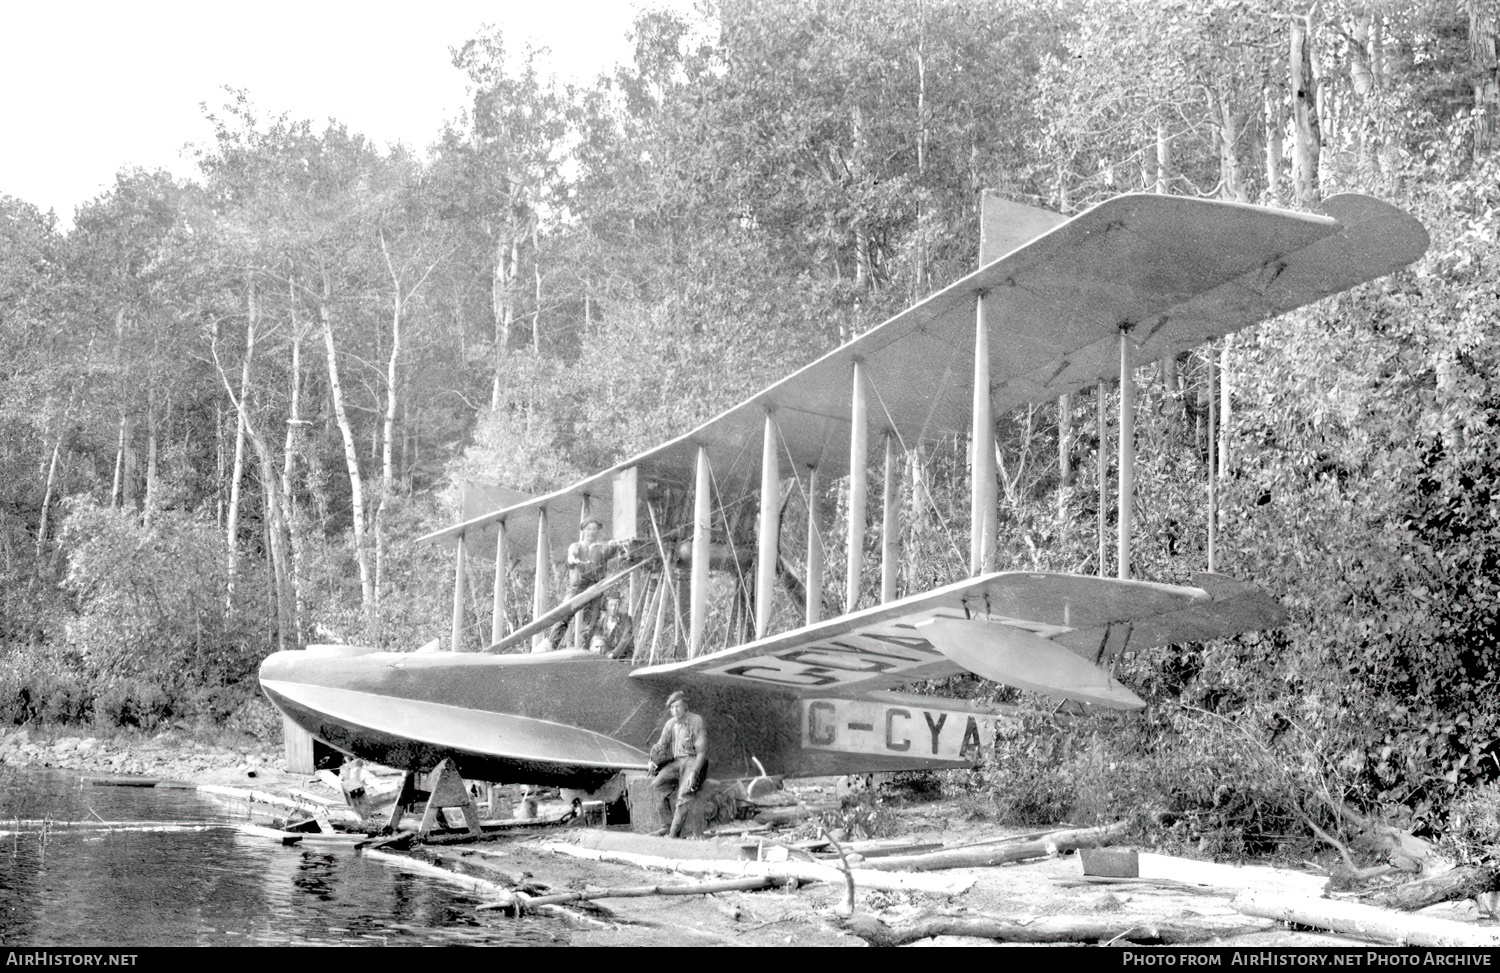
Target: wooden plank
[{"x": 298, "y": 744}]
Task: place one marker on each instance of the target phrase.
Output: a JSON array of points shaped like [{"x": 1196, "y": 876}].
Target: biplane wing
[
  {"x": 1171, "y": 271},
  {"x": 1051, "y": 633}
]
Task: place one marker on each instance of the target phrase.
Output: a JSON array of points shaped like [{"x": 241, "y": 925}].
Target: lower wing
[{"x": 1052, "y": 633}]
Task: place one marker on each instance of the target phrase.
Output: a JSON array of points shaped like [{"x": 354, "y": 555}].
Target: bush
[
  {"x": 151, "y": 601},
  {"x": 1213, "y": 787},
  {"x": 40, "y": 690},
  {"x": 131, "y": 702}
]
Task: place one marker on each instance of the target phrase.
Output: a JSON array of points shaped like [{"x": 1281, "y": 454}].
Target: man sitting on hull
[{"x": 680, "y": 762}]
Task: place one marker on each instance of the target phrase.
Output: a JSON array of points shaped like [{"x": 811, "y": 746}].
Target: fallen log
[
  {"x": 494, "y": 894},
  {"x": 339, "y": 839},
  {"x": 54, "y": 827},
  {"x": 1364, "y": 921},
  {"x": 752, "y": 884},
  {"x": 1048, "y": 929},
  {"x": 799, "y": 870},
  {"x": 984, "y": 855},
  {"x": 1466, "y": 882},
  {"x": 478, "y": 862}
]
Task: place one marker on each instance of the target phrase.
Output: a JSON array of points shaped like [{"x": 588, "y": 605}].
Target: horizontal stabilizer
[{"x": 1023, "y": 659}]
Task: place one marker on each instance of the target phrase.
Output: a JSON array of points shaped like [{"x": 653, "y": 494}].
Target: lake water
[{"x": 214, "y": 886}]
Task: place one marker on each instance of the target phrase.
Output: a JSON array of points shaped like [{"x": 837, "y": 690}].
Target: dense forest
[{"x": 230, "y": 403}]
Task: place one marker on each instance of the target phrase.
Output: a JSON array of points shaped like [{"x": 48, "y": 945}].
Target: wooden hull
[{"x": 567, "y": 719}]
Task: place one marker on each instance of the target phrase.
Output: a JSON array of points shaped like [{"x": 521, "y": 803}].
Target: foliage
[
  {"x": 42, "y": 689},
  {"x": 230, "y": 403},
  {"x": 151, "y": 603}
]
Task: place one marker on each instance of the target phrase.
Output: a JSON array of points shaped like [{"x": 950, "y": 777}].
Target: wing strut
[
  {"x": 698, "y": 582},
  {"x": 1127, "y": 451},
  {"x": 813, "y": 612},
  {"x": 858, "y": 487},
  {"x": 983, "y": 494},
  {"x": 770, "y": 527}
]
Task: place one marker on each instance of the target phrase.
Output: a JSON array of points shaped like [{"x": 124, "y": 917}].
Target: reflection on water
[{"x": 209, "y": 887}]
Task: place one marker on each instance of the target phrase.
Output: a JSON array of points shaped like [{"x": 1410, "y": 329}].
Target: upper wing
[
  {"x": 1047, "y": 632},
  {"x": 1173, "y": 271}
]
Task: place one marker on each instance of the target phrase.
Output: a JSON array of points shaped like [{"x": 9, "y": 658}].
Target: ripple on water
[{"x": 214, "y": 887}]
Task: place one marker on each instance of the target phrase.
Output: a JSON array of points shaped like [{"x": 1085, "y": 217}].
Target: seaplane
[{"x": 1057, "y": 305}]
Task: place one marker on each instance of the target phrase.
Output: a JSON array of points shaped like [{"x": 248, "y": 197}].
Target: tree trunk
[
  {"x": 1273, "y": 144},
  {"x": 232, "y": 519},
  {"x": 276, "y": 541},
  {"x": 1307, "y": 134},
  {"x": 114, "y": 493},
  {"x": 502, "y": 302},
  {"x": 41, "y": 531},
  {"x": 275, "y": 525},
  {"x": 387, "y": 468},
  {"x": 1466, "y": 882},
  {"x": 1229, "y": 163},
  {"x": 1484, "y": 48},
  {"x": 536, "y": 312},
  {"x": 148, "y": 506},
  {"x": 289, "y": 453},
  {"x": 351, "y": 451}
]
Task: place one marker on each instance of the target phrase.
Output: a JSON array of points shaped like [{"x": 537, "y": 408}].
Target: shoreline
[{"x": 180, "y": 754}]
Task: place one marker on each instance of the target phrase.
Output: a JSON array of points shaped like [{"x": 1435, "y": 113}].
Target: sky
[{"x": 89, "y": 88}]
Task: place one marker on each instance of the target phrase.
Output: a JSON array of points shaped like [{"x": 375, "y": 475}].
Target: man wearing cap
[
  {"x": 684, "y": 743},
  {"x": 588, "y": 562}
]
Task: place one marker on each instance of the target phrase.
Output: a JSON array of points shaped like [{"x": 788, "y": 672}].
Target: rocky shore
[{"x": 178, "y": 754}]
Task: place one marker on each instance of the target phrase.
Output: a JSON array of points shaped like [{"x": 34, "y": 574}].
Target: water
[{"x": 210, "y": 887}]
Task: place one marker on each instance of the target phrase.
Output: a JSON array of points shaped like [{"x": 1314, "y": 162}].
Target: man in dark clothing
[
  {"x": 588, "y": 563},
  {"x": 614, "y": 635},
  {"x": 682, "y": 752}
]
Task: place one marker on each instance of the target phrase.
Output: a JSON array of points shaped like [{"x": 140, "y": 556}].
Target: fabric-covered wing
[
  {"x": 1024, "y": 628},
  {"x": 1173, "y": 271}
]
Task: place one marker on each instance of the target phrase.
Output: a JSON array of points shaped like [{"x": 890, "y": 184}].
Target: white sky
[{"x": 88, "y": 88}]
